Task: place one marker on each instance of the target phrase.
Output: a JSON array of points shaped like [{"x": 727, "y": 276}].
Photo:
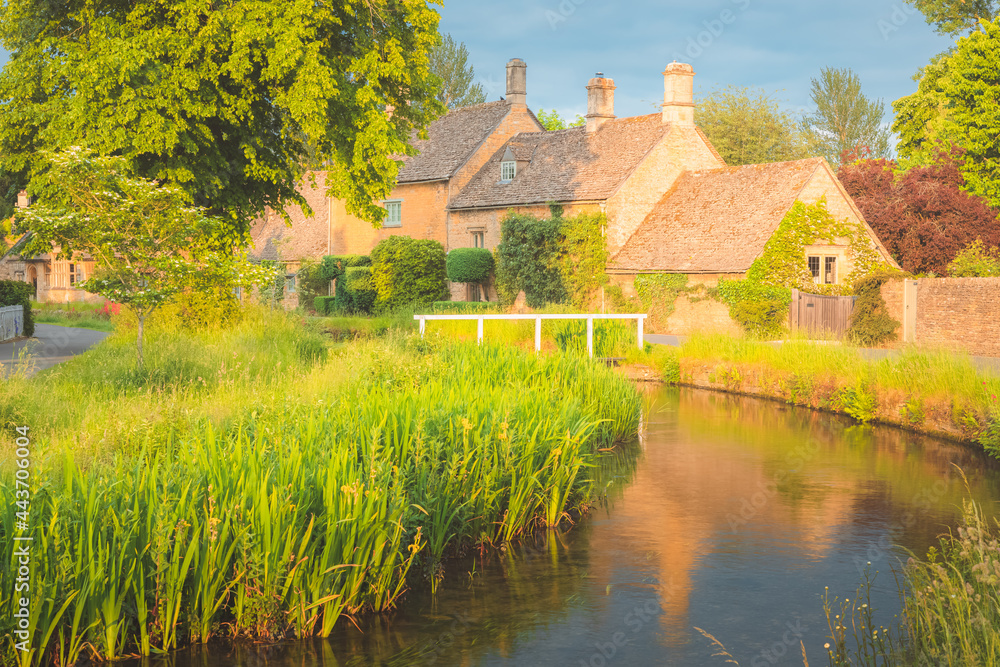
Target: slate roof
[
  {"x": 716, "y": 220},
  {"x": 450, "y": 141},
  {"x": 566, "y": 165}
]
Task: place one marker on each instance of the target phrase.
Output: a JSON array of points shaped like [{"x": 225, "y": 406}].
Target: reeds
[{"x": 274, "y": 497}]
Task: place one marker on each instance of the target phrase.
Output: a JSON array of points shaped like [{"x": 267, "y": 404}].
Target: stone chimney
[
  {"x": 678, "y": 94},
  {"x": 516, "y": 82},
  {"x": 600, "y": 101},
  {"x": 22, "y": 199}
]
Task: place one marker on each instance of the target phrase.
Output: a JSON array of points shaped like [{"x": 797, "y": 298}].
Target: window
[
  {"x": 830, "y": 271},
  {"x": 290, "y": 284},
  {"x": 72, "y": 274},
  {"x": 394, "y": 214},
  {"x": 823, "y": 269},
  {"x": 814, "y": 268},
  {"x": 508, "y": 170},
  {"x": 478, "y": 239}
]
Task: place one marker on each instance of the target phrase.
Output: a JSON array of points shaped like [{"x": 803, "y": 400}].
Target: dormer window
[{"x": 508, "y": 169}]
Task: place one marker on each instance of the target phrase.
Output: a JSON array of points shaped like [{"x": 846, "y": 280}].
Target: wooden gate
[{"x": 819, "y": 314}]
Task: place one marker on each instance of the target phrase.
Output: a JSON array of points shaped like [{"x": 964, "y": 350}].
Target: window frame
[
  {"x": 507, "y": 166},
  {"x": 478, "y": 238},
  {"x": 390, "y": 206},
  {"x": 822, "y": 270}
]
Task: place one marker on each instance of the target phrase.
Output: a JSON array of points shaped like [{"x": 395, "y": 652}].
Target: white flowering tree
[{"x": 146, "y": 239}]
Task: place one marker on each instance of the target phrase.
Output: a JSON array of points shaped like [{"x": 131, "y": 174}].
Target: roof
[
  {"x": 716, "y": 220},
  {"x": 450, "y": 141},
  {"x": 566, "y": 165}
]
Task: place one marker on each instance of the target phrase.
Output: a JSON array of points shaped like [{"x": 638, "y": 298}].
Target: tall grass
[{"x": 271, "y": 490}]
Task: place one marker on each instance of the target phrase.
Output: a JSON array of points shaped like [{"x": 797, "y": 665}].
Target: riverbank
[
  {"x": 260, "y": 482},
  {"x": 937, "y": 393}
]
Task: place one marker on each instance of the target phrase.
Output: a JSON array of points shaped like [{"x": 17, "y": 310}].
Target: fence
[
  {"x": 640, "y": 319},
  {"x": 11, "y": 322},
  {"x": 820, "y": 314}
]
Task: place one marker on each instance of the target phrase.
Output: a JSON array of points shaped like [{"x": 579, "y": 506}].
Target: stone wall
[
  {"x": 952, "y": 313},
  {"x": 702, "y": 316}
]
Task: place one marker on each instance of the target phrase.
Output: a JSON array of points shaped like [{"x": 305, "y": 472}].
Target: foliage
[
  {"x": 356, "y": 291},
  {"x": 333, "y": 266},
  {"x": 760, "y": 308},
  {"x": 242, "y": 502},
  {"x": 553, "y": 260},
  {"x": 551, "y": 120},
  {"x": 449, "y": 62},
  {"x": 408, "y": 271},
  {"x": 323, "y": 305},
  {"x": 657, "y": 292},
  {"x": 231, "y": 102},
  {"x": 783, "y": 262},
  {"x": 462, "y": 307},
  {"x": 17, "y": 293},
  {"x": 747, "y": 126},
  {"x": 147, "y": 241},
  {"x": 871, "y": 325},
  {"x": 611, "y": 338},
  {"x": 976, "y": 261},
  {"x": 922, "y": 118},
  {"x": 469, "y": 265},
  {"x": 311, "y": 282},
  {"x": 844, "y": 117},
  {"x": 923, "y": 216},
  {"x": 953, "y": 17}
]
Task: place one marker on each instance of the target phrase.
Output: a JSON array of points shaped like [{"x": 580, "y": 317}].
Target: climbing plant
[
  {"x": 759, "y": 308},
  {"x": 783, "y": 262},
  {"x": 871, "y": 324}
]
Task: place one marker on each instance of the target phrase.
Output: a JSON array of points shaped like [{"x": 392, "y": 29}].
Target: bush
[
  {"x": 762, "y": 310},
  {"x": 469, "y": 265},
  {"x": 871, "y": 324},
  {"x": 975, "y": 261},
  {"x": 16, "y": 293},
  {"x": 323, "y": 304},
  {"x": 408, "y": 271},
  {"x": 461, "y": 307},
  {"x": 333, "y": 266},
  {"x": 355, "y": 291},
  {"x": 527, "y": 260}
]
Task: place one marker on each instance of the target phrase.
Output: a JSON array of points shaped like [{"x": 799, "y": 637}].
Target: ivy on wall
[{"x": 783, "y": 262}]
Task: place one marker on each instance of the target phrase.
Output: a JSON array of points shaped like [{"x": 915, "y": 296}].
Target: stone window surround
[
  {"x": 391, "y": 204},
  {"x": 838, "y": 252}
]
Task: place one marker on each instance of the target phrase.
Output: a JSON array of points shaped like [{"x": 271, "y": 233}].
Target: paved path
[
  {"x": 51, "y": 345},
  {"x": 982, "y": 363}
]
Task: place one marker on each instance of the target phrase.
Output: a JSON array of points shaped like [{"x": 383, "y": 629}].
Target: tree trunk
[{"x": 138, "y": 340}]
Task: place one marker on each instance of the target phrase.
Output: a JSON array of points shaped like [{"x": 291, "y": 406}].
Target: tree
[
  {"x": 551, "y": 120},
  {"x": 922, "y": 216},
  {"x": 449, "y": 61},
  {"x": 953, "y": 17},
  {"x": 227, "y": 101},
  {"x": 844, "y": 118},
  {"x": 922, "y": 118},
  {"x": 747, "y": 126},
  {"x": 148, "y": 242},
  {"x": 408, "y": 271}
]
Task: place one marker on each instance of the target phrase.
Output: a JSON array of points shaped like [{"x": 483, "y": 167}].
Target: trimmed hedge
[
  {"x": 17, "y": 293},
  {"x": 333, "y": 266},
  {"x": 461, "y": 307},
  {"x": 323, "y": 304},
  {"x": 408, "y": 271},
  {"x": 469, "y": 265},
  {"x": 355, "y": 291}
]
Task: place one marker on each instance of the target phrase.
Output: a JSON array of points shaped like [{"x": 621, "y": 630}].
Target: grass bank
[
  {"x": 81, "y": 315},
  {"x": 936, "y": 392},
  {"x": 261, "y": 482}
]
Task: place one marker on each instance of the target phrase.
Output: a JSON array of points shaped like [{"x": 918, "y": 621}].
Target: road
[{"x": 51, "y": 345}]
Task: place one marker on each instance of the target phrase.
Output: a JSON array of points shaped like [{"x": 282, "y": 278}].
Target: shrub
[
  {"x": 463, "y": 307},
  {"x": 355, "y": 291},
  {"x": 323, "y": 304},
  {"x": 333, "y": 266},
  {"x": 760, "y": 309},
  {"x": 469, "y": 265},
  {"x": 408, "y": 271},
  {"x": 17, "y": 293},
  {"x": 975, "y": 261},
  {"x": 871, "y": 323}
]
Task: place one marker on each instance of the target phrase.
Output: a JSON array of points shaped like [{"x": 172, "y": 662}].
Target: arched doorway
[{"x": 33, "y": 279}]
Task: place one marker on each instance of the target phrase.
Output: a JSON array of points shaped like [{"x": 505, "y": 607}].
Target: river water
[{"x": 730, "y": 514}]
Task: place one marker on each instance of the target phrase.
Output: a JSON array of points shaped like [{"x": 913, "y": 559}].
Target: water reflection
[{"x": 733, "y": 516}]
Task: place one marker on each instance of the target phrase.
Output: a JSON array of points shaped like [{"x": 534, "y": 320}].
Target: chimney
[
  {"x": 678, "y": 94},
  {"x": 516, "y": 82},
  {"x": 600, "y": 101},
  {"x": 22, "y": 199}
]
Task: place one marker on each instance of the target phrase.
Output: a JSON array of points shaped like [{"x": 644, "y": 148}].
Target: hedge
[
  {"x": 469, "y": 265},
  {"x": 408, "y": 271},
  {"x": 355, "y": 291},
  {"x": 871, "y": 324},
  {"x": 17, "y": 293},
  {"x": 461, "y": 307},
  {"x": 323, "y": 304},
  {"x": 333, "y": 266}
]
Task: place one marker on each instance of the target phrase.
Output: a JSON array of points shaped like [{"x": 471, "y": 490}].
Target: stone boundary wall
[{"x": 952, "y": 313}]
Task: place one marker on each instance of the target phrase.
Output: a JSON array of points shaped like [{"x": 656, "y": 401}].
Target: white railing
[
  {"x": 11, "y": 322},
  {"x": 640, "y": 319}
]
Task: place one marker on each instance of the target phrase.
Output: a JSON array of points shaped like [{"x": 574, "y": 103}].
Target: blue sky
[{"x": 778, "y": 45}]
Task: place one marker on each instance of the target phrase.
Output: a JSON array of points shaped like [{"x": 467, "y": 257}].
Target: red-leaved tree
[{"x": 922, "y": 216}]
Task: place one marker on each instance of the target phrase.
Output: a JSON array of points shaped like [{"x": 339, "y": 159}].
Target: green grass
[
  {"x": 259, "y": 482},
  {"x": 81, "y": 315}
]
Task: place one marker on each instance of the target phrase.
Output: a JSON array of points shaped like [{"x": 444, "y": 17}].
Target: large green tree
[
  {"x": 747, "y": 126},
  {"x": 449, "y": 61},
  {"x": 551, "y": 120},
  {"x": 228, "y": 101},
  {"x": 958, "y": 102},
  {"x": 845, "y": 119},
  {"x": 953, "y": 17}
]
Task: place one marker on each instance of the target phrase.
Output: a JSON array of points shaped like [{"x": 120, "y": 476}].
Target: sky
[{"x": 777, "y": 45}]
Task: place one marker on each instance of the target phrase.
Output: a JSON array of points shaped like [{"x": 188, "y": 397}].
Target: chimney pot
[
  {"x": 678, "y": 94},
  {"x": 516, "y": 82},
  {"x": 600, "y": 101}
]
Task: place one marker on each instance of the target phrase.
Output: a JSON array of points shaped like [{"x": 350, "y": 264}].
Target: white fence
[
  {"x": 640, "y": 319},
  {"x": 11, "y": 322}
]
